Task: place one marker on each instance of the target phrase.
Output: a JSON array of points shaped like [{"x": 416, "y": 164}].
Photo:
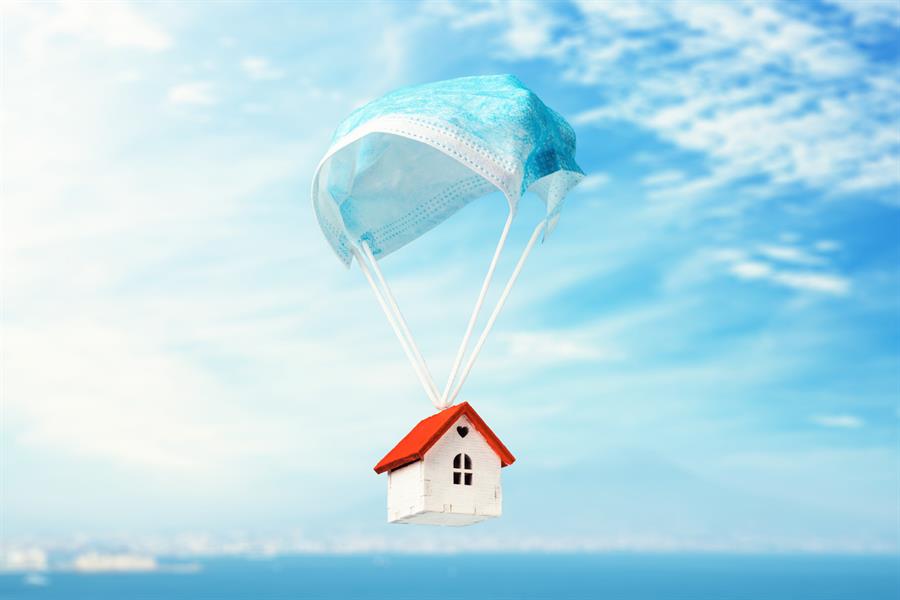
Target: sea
[{"x": 489, "y": 576}]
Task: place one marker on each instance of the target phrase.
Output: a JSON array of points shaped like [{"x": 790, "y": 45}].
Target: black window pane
[
  {"x": 468, "y": 479},
  {"x": 456, "y": 478},
  {"x": 467, "y": 461},
  {"x": 456, "y": 461}
]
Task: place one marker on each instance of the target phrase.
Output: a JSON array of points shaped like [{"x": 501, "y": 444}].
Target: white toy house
[{"x": 446, "y": 471}]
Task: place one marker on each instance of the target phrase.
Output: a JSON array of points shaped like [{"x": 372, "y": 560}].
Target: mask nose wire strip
[
  {"x": 424, "y": 377},
  {"x": 464, "y": 345},
  {"x": 425, "y": 374},
  {"x": 500, "y": 302}
]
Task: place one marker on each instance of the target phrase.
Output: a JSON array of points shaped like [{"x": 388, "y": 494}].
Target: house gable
[
  {"x": 427, "y": 432},
  {"x": 480, "y": 494}
]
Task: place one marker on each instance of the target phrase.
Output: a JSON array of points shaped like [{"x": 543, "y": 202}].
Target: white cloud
[
  {"x": 871, "y": 12},
  {"x": 130, "y": 76},
  {"x": 112, "y": 24},
  {"x": 810, "y": 281},
  {"x": 594, "y": 181},
  {"x": 530, "y": 29},
  {"x": 728, "y": 254},
  {"x": 751, "y": 270},
  {"x": 594, "y": 115},
  {"x": 546, "y": 347},
  {"x": 260, "y": 68},
  {"x": 195, "y": 92},
  {"x": 789, "y": 254},
  {"x": 637, "y": 15},
  {"x": 663, "y": 178},
  {"x": 876, "y": 174},
  {"x": 838, "y": 421},
  {"x": 108, "y": 395},
  {"x": 827, "y": 246},
  {"x": 814, "y": 282}
]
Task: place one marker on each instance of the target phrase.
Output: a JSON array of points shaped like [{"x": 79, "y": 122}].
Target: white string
[
  {"x": 500, "y": 302},
  {"x": 464, "y": 345},
  {"x": 392, "y": 311},
  {"x": 424, "y": 378},
  {"x": 423, "y": 366}
]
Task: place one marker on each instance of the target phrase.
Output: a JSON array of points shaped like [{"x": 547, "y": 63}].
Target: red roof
[{"x": 424, "y": 435}]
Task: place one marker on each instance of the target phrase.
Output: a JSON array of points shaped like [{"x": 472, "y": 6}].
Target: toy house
[{"x": 446, "y": 471}]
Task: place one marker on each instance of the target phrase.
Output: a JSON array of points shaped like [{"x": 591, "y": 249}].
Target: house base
[{"x": 448, "y": 519}]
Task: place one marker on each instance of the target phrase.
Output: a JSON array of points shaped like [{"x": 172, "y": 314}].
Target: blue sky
[{"x": 704, "y": 356}]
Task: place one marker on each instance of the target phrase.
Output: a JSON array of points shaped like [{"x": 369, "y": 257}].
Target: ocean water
[{"x": 494, "y": 576}]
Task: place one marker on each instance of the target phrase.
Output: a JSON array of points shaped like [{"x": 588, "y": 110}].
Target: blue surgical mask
[{"x": 406, "y": 162}]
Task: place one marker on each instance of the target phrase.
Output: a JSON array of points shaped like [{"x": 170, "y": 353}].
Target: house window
[{"x": 462, "y": 470}]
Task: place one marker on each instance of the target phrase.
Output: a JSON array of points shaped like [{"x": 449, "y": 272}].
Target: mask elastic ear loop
[
  {"x": 423, "y": 376},
  {"x": 496, "y": 312},
  {"x": 392, "y": 303},
  {"x": 464, "y": 345}
]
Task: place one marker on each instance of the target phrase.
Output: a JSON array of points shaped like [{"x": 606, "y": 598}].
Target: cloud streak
[
  {"x": 260, "y": 68},
  {"x": 799, "y": 280},
  {"x": 838, "y": 421},
  {"x": 116, "y": 25},
  {"x": 194, "y": 92},
  {"x": 781, "y": 265}
]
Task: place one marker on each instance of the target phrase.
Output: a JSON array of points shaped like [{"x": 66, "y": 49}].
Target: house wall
[
  {"x": 405, "y": 491},
  {"x": 484, "y": 496}
]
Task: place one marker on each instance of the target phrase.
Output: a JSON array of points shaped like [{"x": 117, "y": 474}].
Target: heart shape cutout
[{"x": 462, "y": 430}]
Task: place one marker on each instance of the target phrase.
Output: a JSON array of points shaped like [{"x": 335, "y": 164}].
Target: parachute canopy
[{"x": 406, "y": 162}]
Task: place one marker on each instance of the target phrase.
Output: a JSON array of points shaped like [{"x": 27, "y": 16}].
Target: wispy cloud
[
  {"x": 257, "y": 67},
  {"x": 871, "y": 12},
  {"x": 663, "y": 178},
  {"x": 827, "y": 245},
  {"x": 111, "y": 24},
  {"x": 799, "y": 280},
  {"x": 530, "y": 349},
  {"x": 813, "y": 282},
  {"x": 838, "y": 421},
  {"x": 788, "y": 254},
  {"x": 195, "y": 92},
  {"x": 778, "y": 264},
  {"x": 594, "y": 181},
  {"x": 751, "y": 269}
]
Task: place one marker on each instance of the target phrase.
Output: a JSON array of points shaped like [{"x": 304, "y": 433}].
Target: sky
[{"x": 703, "y": 356}]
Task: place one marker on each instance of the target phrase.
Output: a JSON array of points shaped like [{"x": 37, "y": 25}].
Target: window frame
[{"x": 463, "y": 471}]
